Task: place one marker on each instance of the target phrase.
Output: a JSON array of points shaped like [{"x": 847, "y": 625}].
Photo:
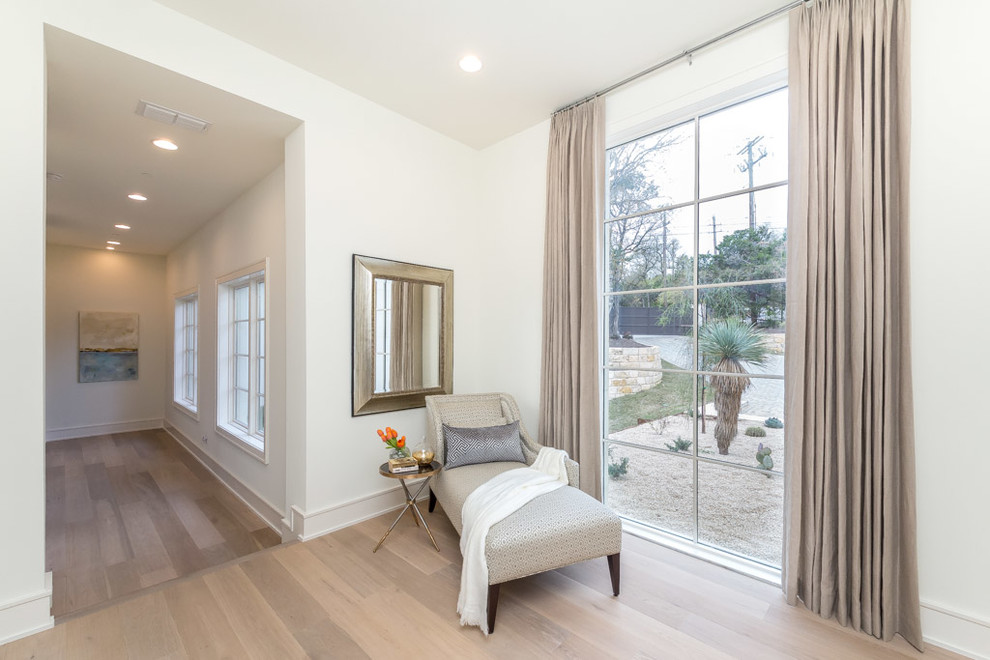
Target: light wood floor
[
  {"x": 131, "y": 510},
  {"x": 332, "y": 598}
]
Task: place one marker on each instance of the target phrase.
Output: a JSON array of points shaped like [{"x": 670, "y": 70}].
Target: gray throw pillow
[{"x": 487, "y": 444}]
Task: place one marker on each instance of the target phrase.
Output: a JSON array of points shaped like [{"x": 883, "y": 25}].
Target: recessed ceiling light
[
  {"x": 122, "y": 226},
  {"x": 165, "y": 144},
  {"x": 470, "y": 63},
  {"x": 113, "y": 242},
  {"x": 110, "y": 247},
  {"x": 137, "y": 197}
]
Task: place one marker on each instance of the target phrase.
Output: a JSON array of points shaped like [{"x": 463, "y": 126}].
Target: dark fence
[{"x": 645, "y": 321}]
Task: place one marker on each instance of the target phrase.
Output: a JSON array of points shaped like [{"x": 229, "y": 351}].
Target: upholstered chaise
[{"x": 554, "y": 530}]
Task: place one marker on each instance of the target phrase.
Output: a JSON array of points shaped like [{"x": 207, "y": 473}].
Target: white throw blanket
[{"x": 489, "y": 503}]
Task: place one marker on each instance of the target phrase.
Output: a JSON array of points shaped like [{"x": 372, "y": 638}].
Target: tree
[
  {"x": 748, "y": 254},
  {"x": 639, "y": 248},
  {"x": 726, "y": 344}
]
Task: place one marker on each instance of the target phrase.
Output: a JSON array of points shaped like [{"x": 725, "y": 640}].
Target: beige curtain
[
  {"x": 569, "y": 394},
  {"x": 406, "y": 371},
  {"x": 850, "y": 548}
]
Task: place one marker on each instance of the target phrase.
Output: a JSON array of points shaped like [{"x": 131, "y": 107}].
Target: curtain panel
[
  {"x": 569, "y": 392},
  {"x": 850, "y": 546}
]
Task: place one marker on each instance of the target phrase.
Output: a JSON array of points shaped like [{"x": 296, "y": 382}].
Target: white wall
[
  {"x": 502, "y": 326},
  {"x": 950, "y": 232},
  {"x": 102, "y": 281},
  {"x": 24, "y": 587},
  {"x": 247, "y": 232}
]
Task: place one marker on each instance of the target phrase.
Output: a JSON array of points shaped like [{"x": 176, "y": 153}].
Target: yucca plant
[{"x": 725, "y": 345}]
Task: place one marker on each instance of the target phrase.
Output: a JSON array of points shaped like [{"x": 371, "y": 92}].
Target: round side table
[{"x": 426, "y": 473}]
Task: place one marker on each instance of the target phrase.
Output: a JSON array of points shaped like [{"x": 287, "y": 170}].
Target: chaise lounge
[{"x": 556, "y": 529}]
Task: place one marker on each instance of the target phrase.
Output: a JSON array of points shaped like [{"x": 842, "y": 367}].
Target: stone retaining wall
[{"x": 626, "y": 376}]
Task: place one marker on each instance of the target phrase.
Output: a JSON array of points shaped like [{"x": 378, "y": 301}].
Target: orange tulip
[
  {"x": 401, "y": 442},
  {"x": 381, "y": 434}
]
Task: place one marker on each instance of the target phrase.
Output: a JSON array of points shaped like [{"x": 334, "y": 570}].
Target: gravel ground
[{"x": 738, "y": 510}]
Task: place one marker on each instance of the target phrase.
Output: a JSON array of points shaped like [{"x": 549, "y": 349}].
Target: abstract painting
[{"x": 108, "y": 346}]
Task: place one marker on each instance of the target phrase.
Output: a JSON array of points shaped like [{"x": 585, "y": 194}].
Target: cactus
[
  {"x": 763, "y": 459},
  {"x": 756, "y": 432},
  {"x": 773, "y": 423}
]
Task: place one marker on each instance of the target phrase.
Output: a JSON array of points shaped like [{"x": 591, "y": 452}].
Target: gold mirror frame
[{"x": 365, "y": 401}]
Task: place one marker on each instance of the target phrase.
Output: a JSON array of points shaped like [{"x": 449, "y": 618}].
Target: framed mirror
[{"x": 403, "y": 342}]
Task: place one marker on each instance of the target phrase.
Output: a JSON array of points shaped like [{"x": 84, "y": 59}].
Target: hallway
[{"x": 131, "y": 510}]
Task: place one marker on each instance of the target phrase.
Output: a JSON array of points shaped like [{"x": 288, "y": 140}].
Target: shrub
[
  {"x": 756, "y": 432},
  {"x": 773, "y": 423},
  {"x": 679, "y": 445},
  {"x": 616, "y": 470}
]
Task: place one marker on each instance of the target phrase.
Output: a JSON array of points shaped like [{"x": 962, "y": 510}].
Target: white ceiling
[
  {"x": 102, "y": 149},
  {"x": 538, "y": 55}
]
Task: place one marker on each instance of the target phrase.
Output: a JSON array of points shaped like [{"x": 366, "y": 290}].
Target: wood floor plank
[
  {"x": 96, "y": 637},
  {"x": 151, "y": 632},
  {"x": 260, "y": 630},
  {"x": 149, "y": 551},
  {"x": 97, "y": 481},
  {"x": 234, "y": 535},
  {"x": 306, "y": 620},
  {"x": 197, "y": 525},
  {"x": 202, "y": 625},
  {"x": 114, "y": 545}
]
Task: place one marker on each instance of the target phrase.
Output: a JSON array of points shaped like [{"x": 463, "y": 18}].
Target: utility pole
[
  {"x": 747, "y": 167},
  {"x": 714, "y": 237}
]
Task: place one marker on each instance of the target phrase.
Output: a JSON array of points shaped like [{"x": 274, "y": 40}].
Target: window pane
[
  {"x": 261, "y": 376},
  {"x": 741, "y": 511},
  {"x": 261, "y": 415},
  {"x": 241, "y": 303},
  {"x": 652, "y": 409},
  {"x": 742, "y": 328},
  {"x": 190, "y": 362},
  {"x": 241, "y": 372},
  {"x": 653, "y": 488},
  {"x": 241, "y": 338},
  {"x": 380, "y": 373},
  {"x": 261, "y": 299},
  {"x": 191, "y": 312},
  {"x": 743, "y": 424},
  {"x": 651, "y": 172},
  {"x": 744, "y": 145},
  {"x": 740, "y": 241},
  {"x": 651, "y": 251},
  {"x": 241, "y": 407},
  {"x": 261, "y": 338},
  {"x": 381, "y": 323},
  {"x": 651, "y": 324},
  {"x": 191, "y": 337},
  {"x": 189, "y": 392}
]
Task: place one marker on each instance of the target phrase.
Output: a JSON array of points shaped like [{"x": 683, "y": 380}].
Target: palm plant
[{"x": 725, "y": 345}]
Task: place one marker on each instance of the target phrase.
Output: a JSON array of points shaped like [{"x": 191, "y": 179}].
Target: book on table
[{"x": 407, "y": 464}]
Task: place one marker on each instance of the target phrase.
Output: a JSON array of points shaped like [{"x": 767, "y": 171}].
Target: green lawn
[{"x": 672, "y": 396}]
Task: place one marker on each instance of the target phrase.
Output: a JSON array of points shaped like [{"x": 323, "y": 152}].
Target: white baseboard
[
  {"x": 102, "y": 429},
  {"x": 308, "y": 525},
  {"x": 955, "y": 631},
  {"x": 27, "y": 615},
  {"x": 267, "y": 511}
]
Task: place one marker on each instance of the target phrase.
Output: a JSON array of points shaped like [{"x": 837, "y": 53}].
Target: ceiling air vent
[{"x": 173, "y": 117}]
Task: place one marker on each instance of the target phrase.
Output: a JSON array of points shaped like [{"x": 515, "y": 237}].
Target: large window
[
  {"x": 241, "y": 350},
  {"x": 185, "y": 373},
  {"x": 693, "y": 313}
]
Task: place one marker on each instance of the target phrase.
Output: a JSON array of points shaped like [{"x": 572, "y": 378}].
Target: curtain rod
[{"x": 687, "y": 53}]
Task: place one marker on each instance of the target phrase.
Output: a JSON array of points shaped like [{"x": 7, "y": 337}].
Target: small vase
[{"x": 399, "y": 453}]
